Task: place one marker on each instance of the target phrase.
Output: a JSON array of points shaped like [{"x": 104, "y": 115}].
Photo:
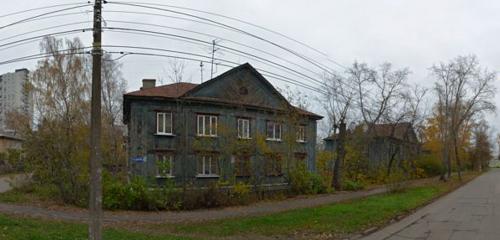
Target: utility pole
[
  {"x": 95, "y": 201},
  {"x": 213, "y": 56}
]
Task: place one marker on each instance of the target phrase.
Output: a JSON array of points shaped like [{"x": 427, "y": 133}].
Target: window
[
  {"x": 208, "y": 166},
  {"x": 164, "y": 123},
  {"x": 273, "y": 131},
  {"x": 241, "y": 165},
  {"x": 273, "y": 166},
  {"x": 301, "y": 133},
  {"x": 165, "y": 165},
  {"x": 243, "y": 128},
  {"x": 207, "y": 125},
  {"x": 300, "y": 159}
]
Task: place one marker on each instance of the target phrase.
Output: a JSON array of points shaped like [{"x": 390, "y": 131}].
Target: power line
[
  {"x": 43, "y": 29},
  {"x": 41, "y": 15},
  {"x": 45, "y": 55},
  {"x": 248, "y": 23},
  {"x": 40, "y": 8},
  {"x": 42, "y": 36},
  {"x": 190, "y": 54},
  {"x": 209, "y": 43},
  {"x": 319, "y": 65},
  {"x": 217, "y": 37}
]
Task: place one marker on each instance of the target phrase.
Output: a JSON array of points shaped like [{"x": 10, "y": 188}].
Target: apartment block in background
[{"x": 14, "y": 96}]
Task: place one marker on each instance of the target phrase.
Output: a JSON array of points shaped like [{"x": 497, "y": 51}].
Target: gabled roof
[
  {"x": 174, "y": 90},
  {"x": 242, "y": 67},
  {"x": 188, "y": 91},
  {"x": 397, "y": 131}
]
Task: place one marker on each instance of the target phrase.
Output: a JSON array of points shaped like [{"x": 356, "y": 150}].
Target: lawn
[
  {"x": 13, "y": 228},
  {"x": 339, "y": 219}
]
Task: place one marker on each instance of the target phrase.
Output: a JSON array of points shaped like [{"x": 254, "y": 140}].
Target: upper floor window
[
  {"x": 207, "y": 125},
  {"x": 243, "y": 128},
  {"x": 301, "y": 133},
  {"x": 164, "y": 123},
  {"x": 165, "y": 165},
  {"x": 273, "y": 131},
  {"x": 208, "y": 166}
]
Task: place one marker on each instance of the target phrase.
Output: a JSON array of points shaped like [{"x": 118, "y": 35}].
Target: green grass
[
  {"x": 336, "y": 218},
  {"x": 30, "y": 229}
]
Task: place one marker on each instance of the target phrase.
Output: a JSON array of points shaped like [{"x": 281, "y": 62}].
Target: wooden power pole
[{"x": 95, "y": 201}]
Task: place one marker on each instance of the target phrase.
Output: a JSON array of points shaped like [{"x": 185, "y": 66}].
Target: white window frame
[
  {"x": 207, "y": 161},
  {"x": 275, "y": 125},
  {"x": 163, "y": 157},
  {"x": 201, "y": 123},
  {"x": 301, "y": 133},
  {"x": 243, "y": 128},
  {"x": 165, "y": 117}
]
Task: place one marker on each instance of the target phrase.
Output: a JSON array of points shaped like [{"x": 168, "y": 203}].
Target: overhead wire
[
  {"x": 219, "y": 38},
  {"x": 319, "y": 65},
  {"x": 42, "y": 8},
  {"x": 41, "y": 15},
  {"x": 42, "y": 29},
  {"x": 215, "y": 23},
  {"x": 219, "y": 45},
  {"x": 248, "y": 23}
]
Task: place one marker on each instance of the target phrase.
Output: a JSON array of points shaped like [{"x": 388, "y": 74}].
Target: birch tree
[{"x": 464, "y": 90}]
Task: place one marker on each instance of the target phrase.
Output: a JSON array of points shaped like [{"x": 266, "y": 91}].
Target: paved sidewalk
[
  {"x": 470, "y": 212},
  {"x": 257, "y": 209}
]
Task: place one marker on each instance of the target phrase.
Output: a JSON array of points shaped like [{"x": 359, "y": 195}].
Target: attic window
[{"x": 243, "y": 91}]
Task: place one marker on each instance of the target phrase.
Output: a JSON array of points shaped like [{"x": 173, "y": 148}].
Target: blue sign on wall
[{"x": 139, "y": 159}]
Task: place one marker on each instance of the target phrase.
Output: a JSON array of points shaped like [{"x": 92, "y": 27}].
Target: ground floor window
[
  {"x": 164, "y": 165},
  {"x": 273, "y": 164},
  {"x": 208, "y": 165},
  {"x": 300, "y": 159},
  {"x": 241, "y": 165}
]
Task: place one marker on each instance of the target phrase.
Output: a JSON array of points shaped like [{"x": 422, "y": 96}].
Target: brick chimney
[{"x": 148, "y": 83}]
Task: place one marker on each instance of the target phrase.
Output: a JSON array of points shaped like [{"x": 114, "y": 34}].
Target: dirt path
[{"x": 257, "y": 209}]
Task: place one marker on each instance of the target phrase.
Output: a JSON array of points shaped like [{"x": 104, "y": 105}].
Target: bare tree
[
  {"x": 383, "y": 96},
  {"x": 379, "y": 92},
  {"x": 464, "y": 89},
  {"x": 482, "y": 150},
  {"x": 337, "y": 101},
  {"x": 113, "y": 88},
  {"x": 175, "y": 72}
]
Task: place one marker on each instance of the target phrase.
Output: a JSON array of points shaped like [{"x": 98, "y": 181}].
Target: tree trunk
[
  {"x": 339, "y": 159},
  {"x": 446, "y": 162},
  {"x": 457, "y": 157}
]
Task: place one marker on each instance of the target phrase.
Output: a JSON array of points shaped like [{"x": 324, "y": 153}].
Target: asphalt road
[{"x": 472, "y": 212}]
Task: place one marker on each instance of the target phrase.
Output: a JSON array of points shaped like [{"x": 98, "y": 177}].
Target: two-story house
[{"x": 236, "y": 126}]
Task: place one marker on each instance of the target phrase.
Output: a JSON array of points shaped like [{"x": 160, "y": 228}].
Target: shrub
[
  {"x": 304, "y": 182},
  {"x": 397, "y": 181},
  {"x": 138, "y": 195},
  {"x": 300, "y": 181},
  {"x": 318, "y": 184},
  {"x": 430, "y": 164},
  {"x": 353, "y": 185},
  {"x": 241, "y": 193}
]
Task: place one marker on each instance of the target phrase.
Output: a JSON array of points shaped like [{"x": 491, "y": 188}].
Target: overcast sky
[{"x": 413, "y": 34}]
